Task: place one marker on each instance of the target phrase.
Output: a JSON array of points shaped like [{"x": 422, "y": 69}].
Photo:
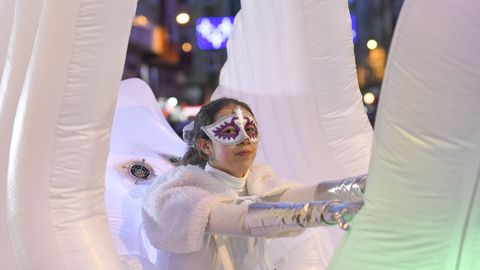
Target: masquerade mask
[{"x": 233, "y": 129}]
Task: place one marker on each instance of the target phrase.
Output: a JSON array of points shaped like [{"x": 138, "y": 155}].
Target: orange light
[
  {"x": 187, "y": 47},
  {"x": 140, "y": 21},
  {"x": 159, "y": 40}
]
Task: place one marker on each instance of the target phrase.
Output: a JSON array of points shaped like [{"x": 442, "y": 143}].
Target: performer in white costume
[{"x": 215, "y": 210}]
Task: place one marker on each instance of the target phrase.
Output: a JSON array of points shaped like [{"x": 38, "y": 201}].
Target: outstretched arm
[
  {"x": 275, "y": 219},
  {"x": 348, "y": 189}
]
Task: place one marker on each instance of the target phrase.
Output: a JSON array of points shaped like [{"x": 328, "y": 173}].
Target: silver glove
[
  {"x": 283, "y": 219},
  {"x": 348, "y": 189}
]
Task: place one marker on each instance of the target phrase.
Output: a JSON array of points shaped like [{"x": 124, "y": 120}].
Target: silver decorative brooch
[{"x": 139, "y": 170}]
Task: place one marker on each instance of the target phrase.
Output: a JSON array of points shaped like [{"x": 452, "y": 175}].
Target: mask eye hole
[
  {"x": 226, "y": 131},
  {"x": 251, "y": 128},
  {"x": 229, "y": 131}
]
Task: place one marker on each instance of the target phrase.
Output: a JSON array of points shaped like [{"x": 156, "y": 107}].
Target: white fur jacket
[{"x": 177, "y": 206}]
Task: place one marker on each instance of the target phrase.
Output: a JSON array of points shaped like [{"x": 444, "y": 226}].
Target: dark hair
[{"x": 204, "y": 117}]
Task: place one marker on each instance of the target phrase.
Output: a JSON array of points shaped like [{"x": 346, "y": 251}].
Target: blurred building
[
  {"x": 374, "y": 24},
  {"x": 169, "y": 48},
  {"x": 163, "y": 50}
]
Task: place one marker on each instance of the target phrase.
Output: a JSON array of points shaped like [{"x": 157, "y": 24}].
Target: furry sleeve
[{"x": 175, "y": 215}]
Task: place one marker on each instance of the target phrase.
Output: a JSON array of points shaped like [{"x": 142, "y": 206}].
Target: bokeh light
[
  {"x": 372, "y": 44},
  {"x": 369, "y": 98},
  {"x": 187, "y": 47},
  {"x": 183, "y": 18}
]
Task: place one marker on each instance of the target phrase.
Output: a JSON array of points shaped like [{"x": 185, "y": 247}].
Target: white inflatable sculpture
[
  {"x": 293, "y": 63},
  {"x": 422, "y": 205},
  {"x": 7, "y": 14},
  {"x": 61, "y": 74},
  {"x": 62, "y": 67},
  {"x": 141, "y": 135},
  {"x": 19, "y": 21}
]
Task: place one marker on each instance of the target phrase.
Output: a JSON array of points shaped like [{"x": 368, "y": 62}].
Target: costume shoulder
[
  {"x": 183, "y": 176},
  {"x": 264, "y": 182},
  {"x": 176, "y": 209}
]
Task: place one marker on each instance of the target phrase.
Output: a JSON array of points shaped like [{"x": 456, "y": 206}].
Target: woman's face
[{"x": 233, "y": 159}]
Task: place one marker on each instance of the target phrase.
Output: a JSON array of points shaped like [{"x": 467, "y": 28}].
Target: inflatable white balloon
[
  {"x": 293, "y": 63},
  {"x": 18, "y": 30},
  {"x": 140, "y": 134},
  {"x": 7, "y": 11},
  {"x": 55, "y": 204},
  {"x": 139, "y": 125},
  {"x": 422, "y": 204}
]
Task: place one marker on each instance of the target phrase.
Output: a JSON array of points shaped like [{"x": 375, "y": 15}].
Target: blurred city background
[{"x": 178, "y": 48}]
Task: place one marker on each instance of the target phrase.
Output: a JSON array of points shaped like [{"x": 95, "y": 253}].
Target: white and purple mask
[{"x": 233, "y": 128}]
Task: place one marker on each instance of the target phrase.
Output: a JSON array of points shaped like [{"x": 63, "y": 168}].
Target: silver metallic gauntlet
[
  {"x": 348, "y": 189},
  {"x": 281, "y": 219}
]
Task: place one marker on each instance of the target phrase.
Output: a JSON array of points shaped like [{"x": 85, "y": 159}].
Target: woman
[{"x": 214, "y": 211}]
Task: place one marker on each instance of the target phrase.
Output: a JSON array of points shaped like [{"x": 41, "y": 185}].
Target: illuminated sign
[
  {"x": 213, "y": 32},
  {"x": 354, "y": 27}
]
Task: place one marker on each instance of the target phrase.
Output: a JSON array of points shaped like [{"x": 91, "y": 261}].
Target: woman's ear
[{"x": 204, "y": 146}]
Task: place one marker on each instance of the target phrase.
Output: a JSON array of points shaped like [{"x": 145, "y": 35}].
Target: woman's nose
[{"x": 246, "y": 141}]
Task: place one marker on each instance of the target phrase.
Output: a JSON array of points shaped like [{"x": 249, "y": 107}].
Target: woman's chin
[{"x": 245, "y": 165}]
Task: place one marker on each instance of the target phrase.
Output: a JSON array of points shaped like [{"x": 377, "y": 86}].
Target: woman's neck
[
  {"x": 238, "y": 173},
  {"x": 228, "y": 181},
  {"x": 234, "y": 173}
]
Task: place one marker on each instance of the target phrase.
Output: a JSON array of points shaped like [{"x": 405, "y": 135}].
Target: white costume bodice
[{"x": 188, "y": 194}]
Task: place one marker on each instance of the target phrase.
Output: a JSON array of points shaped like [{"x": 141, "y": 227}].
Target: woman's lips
[{"x": 244, "y": 152}]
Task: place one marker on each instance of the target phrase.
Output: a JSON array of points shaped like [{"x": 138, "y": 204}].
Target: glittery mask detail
[{"x": 233, "y": 129}]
